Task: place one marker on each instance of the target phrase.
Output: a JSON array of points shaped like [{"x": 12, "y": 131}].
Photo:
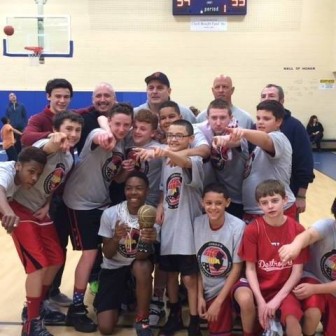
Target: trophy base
[{"x": 145, "y": 247}]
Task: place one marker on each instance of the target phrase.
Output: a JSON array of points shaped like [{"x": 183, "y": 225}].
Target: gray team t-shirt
[
  {"x": 88, "y": 185},
  {"x": 321, "y": 264},
  {"x": 182, "y": 192},
  {"x": 57, "y": 167},
  {"x": 223, "y": 168},
  {"x": 151, "y": 168},
  {"x": 199, "y": 138},
  {"x": 262, "y": 166},
  {"x": 7, "y": 175},
  {"x": 217, "y": 251}
]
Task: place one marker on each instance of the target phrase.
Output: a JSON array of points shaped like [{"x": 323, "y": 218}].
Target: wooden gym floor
[{"x": 319, "y": 199}]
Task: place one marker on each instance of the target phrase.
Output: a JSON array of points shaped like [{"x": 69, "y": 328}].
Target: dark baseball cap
[{"x": 159, "y": 76}]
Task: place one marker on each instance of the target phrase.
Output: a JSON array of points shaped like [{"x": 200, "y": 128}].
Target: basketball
[
  {"x": 8, "y": 30},
  {"x": 146, "y": 216}
]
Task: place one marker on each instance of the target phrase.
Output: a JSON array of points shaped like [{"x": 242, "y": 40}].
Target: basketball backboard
[{"x": 52, "y": 33}]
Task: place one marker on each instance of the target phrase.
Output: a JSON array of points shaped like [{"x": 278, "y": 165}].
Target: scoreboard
[{"x": 209, "y": 7}]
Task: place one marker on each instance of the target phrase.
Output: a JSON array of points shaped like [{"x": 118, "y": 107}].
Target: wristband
[{"x": 302, "y": 197}]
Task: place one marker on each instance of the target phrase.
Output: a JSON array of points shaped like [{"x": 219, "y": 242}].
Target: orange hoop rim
[{"x": 36, "y": 50}]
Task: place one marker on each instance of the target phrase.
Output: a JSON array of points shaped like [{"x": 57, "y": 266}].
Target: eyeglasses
[{"x": 177, "y": 136}]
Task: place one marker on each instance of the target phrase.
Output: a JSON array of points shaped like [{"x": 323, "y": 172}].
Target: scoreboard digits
[{"x": 209, "y": 7}]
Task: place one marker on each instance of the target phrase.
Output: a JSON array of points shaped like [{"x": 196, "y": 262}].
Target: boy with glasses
[{"x": 181, "y": 185}]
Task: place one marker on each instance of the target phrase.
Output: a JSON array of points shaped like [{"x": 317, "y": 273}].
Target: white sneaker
[{"x": 156, "y": 311}]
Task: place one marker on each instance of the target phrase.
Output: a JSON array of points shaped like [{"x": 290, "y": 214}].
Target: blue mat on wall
[{"x": 35, "y": 101}]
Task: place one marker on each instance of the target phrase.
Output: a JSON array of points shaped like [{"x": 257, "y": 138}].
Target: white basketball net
[{"x": 34, "y": 57}]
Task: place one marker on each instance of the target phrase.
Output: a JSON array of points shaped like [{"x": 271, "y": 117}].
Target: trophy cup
[{"x": 146, "y": 219}]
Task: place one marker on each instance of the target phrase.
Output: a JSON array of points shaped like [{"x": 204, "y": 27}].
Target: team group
[{"x": 207, "y": 177}]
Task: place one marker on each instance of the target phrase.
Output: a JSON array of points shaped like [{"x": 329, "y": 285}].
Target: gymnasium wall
[{"x": 287, "y": 42}]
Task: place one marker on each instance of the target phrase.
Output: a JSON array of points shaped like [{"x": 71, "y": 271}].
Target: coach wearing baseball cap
[{"x": 158, "y": 92}]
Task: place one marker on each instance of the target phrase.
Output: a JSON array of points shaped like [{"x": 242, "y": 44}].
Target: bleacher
[{"x": 326, "y": 145}]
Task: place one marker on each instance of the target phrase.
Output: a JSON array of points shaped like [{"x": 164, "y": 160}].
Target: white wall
[{"x": 123, "y": 41}]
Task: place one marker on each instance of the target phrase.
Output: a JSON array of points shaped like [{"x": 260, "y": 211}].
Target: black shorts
[
  {"x": 112, "y": 288},
  {"x": 84, "y": 227},
  {"x": 184, "y": 264},
  {"x": 156, "y": 255}
]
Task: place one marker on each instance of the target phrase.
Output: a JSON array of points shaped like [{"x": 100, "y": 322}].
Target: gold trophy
[{"x": 146, "y": 219}]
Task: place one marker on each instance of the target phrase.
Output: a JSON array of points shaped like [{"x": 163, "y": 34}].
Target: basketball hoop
[{"x": 34, "y": 56}]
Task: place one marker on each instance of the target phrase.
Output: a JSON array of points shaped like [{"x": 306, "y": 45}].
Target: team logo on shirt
[
  {"x": 218, "y": 157},
  {"x": 173, "y": 188},
  {"x": 112, "y": 166},
  {"x": 248, "y": 165},
  {"x": 214, "y": 260},
  {"x": 140, "y": 166},
  {"x": 54, "y": 179},
  {"x": 328, "y": 265},
  {"x": 128, "y": 246}
]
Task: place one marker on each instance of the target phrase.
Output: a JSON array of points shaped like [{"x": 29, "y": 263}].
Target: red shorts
[
  {"x": 290, "y": 212},
  {"x": 224, "y": 324},
  {"x": 314, "y": 301},
  {"x": 242, "y": 282},
  {"x": 328, "y": 319},
  {"x": 36, "y": 241},
  {"x": 290, "y": 305}
]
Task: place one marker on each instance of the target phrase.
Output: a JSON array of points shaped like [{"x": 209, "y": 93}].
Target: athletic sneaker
[
  {"x": 34, "y": 327},
  {"x": 194, "y": 331},
  {"x": 173, "y": 324},
  {"x": 49, "y": 313},
  {"x": 77, "y": 318},
  {"x": 156, "y": 311},
  {"x": 142, "y": 328},
  {"x": 194, "y": 328},
  {"x": 61, "y": 300}
]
